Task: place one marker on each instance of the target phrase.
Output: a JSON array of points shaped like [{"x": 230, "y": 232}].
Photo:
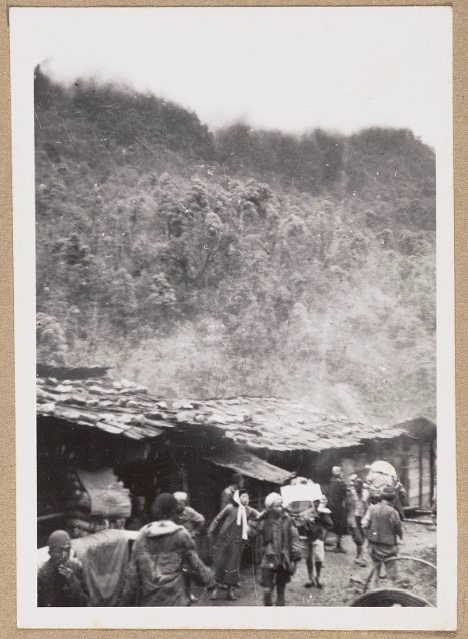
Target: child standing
[
  {"x": 317, "y": 521},
  {"x": 359, "y": 503}
]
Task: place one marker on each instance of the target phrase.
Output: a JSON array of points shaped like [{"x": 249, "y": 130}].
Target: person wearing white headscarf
[
  {"x": 281, "y": 549},
  {"x": 228, "y": 533}
]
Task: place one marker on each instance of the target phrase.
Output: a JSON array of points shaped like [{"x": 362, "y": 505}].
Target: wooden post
[
  {"x": 260, "y": 495},
  {"x": 183, "y": 476},
  {"x": 420, "y": 473},
  {"x": 432, "y": 469}
]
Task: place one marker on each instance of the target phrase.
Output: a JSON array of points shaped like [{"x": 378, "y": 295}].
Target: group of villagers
[
  {"x": 165, "y": 561},
  {"x": 281, "y": 547},
  {"x": 370, "y": 511}
]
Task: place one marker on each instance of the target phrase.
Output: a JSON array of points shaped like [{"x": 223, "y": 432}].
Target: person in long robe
[
  {"x": 228, "y": 533},
  {"x": 337, "y": 503}
]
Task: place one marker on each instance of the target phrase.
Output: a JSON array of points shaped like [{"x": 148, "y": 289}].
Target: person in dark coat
[
  {"x": 60, "y": 581},
  {"x": 228, "y": 533},
  {"x": 193, "y": 523},
  {"x": 383, "y": 528},
  {"x": 337, "y": 503},
  {"x": 281, "y": 549},
  {"x": 161, "y": 552},
  {"x": 401, "y": 499}
]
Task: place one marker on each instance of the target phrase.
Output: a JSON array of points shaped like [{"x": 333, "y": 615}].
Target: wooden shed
[{"x": 87, "y": 420}]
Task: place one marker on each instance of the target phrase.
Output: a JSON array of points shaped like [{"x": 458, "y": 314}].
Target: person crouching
[
  {"x": 280, "y": 549},
  {"x": 61, "y": 581}
]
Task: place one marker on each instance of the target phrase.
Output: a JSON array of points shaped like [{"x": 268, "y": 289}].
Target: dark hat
[
  {"x": 164, "y": 506},
  {"x": 388, "y": 493}
]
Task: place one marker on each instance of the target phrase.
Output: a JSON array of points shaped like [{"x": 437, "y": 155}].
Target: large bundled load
[
  {"x": 380, "y": 475},
  {"x": 95, "y": 500},
  {"x": 299, "y": 499}
]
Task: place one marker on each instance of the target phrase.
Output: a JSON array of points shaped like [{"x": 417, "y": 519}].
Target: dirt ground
[{"x": 344, "y": 581}]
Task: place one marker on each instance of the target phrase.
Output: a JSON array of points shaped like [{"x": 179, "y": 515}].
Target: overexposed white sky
[{"x": 287, "y": 68}]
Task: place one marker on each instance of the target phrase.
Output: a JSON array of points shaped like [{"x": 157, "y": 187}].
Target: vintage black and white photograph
[{"x": 233, "y": 235}]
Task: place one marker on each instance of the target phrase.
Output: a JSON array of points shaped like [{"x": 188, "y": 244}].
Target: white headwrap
[
  {"x": 241, "y": 515},
  {"x": 180, "y": 495},
  {"x": 271, "y": 498}
]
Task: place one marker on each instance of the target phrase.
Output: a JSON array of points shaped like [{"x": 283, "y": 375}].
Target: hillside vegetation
[{"x": 237, "y": 261}]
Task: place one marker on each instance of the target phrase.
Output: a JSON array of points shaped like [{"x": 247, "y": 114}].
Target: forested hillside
[{"x": 216, "y": 263}]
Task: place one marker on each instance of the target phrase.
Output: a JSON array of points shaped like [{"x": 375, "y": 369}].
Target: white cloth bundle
[{"x": 241, "y": 516}]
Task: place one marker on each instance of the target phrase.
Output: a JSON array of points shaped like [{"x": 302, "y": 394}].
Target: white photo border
[{"x": 24, "y": 27}]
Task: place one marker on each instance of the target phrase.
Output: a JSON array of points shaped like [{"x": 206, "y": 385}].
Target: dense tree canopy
[{"x": 238, "y": 261}]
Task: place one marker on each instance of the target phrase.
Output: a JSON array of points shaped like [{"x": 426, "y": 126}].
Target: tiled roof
[
  {"x": 258, "y": 423},
  {"x": 252, "y": 466},
  {"x": 120, "y": 408}
]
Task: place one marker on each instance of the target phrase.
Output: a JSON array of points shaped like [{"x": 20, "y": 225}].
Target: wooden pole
[
  {"x": 432, "y": 466},
  {"x": 50, "y": 517},
  {"x": 420, "y": 473},
  {"x": 183, "y": 476}
]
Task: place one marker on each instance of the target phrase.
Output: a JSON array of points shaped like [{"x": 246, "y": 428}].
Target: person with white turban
[
  {"x": 280, "y": 548},
  {"x": 186, "y": 516},
  {"x": 228, "y": 533}
]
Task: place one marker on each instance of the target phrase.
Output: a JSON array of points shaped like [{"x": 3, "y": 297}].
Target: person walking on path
[
  {"x": 228, "y": 533},
  {"x": 359, "y": 503},
  {"x": 317, "y": 522},
  {"x": 193, "y": 523},
  {"x": 161, "y": 552},
  {"x": 337, "y": 502},
  {"x": 60, "y": 581},
  {"x": 281, "y": 549},
  {"x": 227, "y": 496},
  {"x": 383, "y": 528}
]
